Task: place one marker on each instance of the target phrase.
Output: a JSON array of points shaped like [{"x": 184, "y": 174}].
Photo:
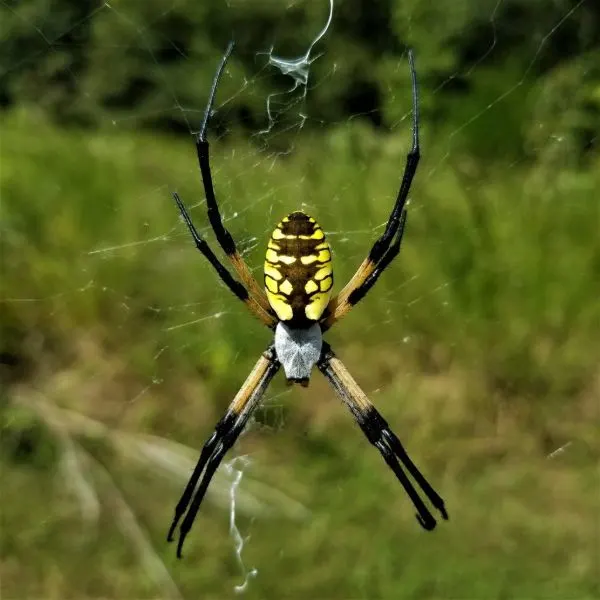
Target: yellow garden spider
[{"x": 298, "y": 307}]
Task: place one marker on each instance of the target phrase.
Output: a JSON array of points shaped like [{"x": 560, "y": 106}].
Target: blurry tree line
[{"x": 88, "y": 62}]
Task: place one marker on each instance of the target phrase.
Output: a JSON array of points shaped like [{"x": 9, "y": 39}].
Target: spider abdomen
[{"x": 298, "y": 272}]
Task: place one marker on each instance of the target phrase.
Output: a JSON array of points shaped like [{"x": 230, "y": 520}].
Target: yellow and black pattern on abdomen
[{"x": 298, "y": 272}]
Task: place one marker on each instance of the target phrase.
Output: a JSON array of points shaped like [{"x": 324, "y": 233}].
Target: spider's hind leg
[
  {"x": 386, "y": 247},
  {"x": 223, "y": 236}
]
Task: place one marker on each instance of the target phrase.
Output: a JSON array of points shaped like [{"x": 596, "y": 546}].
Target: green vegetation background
[{"x": 480, "y": 345}]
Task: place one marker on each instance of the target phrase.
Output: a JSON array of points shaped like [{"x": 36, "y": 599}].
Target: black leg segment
[
  {"x": 412, "y": 161},
  {"x": 202, "y": 148},
  {"x": 235, "y": 286},
  {"x": 378, "y": 432},
  {"x": 226, "y": 433}
]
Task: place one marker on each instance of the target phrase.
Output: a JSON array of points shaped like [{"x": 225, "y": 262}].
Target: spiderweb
[{"x": 137, "y": 267}]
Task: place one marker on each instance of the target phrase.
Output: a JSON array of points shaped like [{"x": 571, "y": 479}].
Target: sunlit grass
[{"x": 480, "y": 346}]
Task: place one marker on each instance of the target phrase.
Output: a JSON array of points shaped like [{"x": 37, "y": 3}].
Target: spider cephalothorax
[{"x": 296, "y": 304}]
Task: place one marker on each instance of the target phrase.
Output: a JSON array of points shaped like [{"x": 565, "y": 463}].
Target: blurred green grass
[{"x": 480, "y": 346}]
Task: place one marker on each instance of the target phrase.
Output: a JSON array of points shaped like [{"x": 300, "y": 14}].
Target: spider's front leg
[
  {"x": 226, "y": 433},
  {"x": 378, "y": 432}
]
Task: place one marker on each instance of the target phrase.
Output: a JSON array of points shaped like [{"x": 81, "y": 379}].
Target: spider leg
[
  {"x": 224, "y": 238},
  {"x": 357, "y": 294},
  {"x": 385, "y": 249},
  {"x": 225, "y": 435},
  {"x": 378, "y": 432},
  {"x": 235, "y": 286}
]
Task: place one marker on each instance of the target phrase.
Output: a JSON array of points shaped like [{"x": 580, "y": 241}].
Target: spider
[{"x": 296, "y": 304}]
